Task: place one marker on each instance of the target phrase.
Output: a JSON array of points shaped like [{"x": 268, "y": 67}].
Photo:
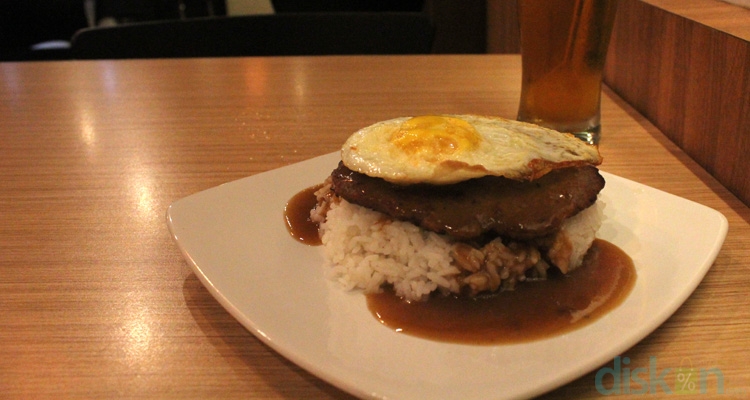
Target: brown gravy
[
  {"x": 297, "y": 217},
  {"x": 534, "y": 310}
]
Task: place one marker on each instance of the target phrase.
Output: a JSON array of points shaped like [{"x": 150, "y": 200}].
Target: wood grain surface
[
  {"x": 96, "y": 301},
  {"x": 685, "y": 65}
]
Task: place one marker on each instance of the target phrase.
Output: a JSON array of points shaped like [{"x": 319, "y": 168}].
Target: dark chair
[
  {"x": 260, "y": 35},
  {"x": 282, "y": 6}
]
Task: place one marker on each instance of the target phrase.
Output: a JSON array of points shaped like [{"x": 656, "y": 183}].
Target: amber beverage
[{"x": 563, "y": 47}]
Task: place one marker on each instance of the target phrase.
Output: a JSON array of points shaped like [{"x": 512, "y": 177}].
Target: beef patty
[{"x": 478, "y": 207}]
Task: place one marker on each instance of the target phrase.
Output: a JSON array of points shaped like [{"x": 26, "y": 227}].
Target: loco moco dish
[{"x": 464, "y": 208}]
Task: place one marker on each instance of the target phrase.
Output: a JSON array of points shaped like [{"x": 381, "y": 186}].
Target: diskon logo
[{"x": 650, "y": 380}]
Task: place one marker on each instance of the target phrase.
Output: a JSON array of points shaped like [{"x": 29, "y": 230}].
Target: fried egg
[{"x": 446, "y": 149}]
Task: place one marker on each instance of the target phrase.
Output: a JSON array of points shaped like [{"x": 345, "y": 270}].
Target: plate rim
[{"x": 636, "y": 335}]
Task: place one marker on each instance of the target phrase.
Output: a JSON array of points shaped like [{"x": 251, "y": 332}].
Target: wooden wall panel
[
  {"x": 691, "y": 80},
  {"x": 503, "y": 35}
]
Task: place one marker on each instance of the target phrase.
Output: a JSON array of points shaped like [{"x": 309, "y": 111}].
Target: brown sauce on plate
[
  {"x": 533, "y": 311},
  {"x": 297, "y": 217}
]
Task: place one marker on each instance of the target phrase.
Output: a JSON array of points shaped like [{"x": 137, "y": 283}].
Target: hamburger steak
[{"x": 471, "y": 209}]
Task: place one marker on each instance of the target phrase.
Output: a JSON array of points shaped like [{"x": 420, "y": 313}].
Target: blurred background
[{"x": 43, "y": 29}]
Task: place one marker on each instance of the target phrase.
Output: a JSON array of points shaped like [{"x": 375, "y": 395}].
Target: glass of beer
[{"x": 563, "y": 48}]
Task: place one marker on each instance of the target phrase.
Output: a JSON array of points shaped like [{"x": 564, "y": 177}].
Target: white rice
[
  {"x": 580, "y": 230},
  {"x": 366, "y": 250}
]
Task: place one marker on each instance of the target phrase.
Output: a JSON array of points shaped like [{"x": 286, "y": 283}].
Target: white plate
[{"x": 234, "y": 237}]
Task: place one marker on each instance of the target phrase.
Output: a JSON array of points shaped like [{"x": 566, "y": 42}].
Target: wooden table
[{"x": 95, "y": 298}]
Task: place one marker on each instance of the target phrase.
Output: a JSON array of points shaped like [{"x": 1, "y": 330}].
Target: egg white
[{"x": 503, "y": 147}]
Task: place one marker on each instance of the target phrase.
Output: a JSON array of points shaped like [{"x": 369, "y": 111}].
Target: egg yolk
[{"x": 435, "y": 136}]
